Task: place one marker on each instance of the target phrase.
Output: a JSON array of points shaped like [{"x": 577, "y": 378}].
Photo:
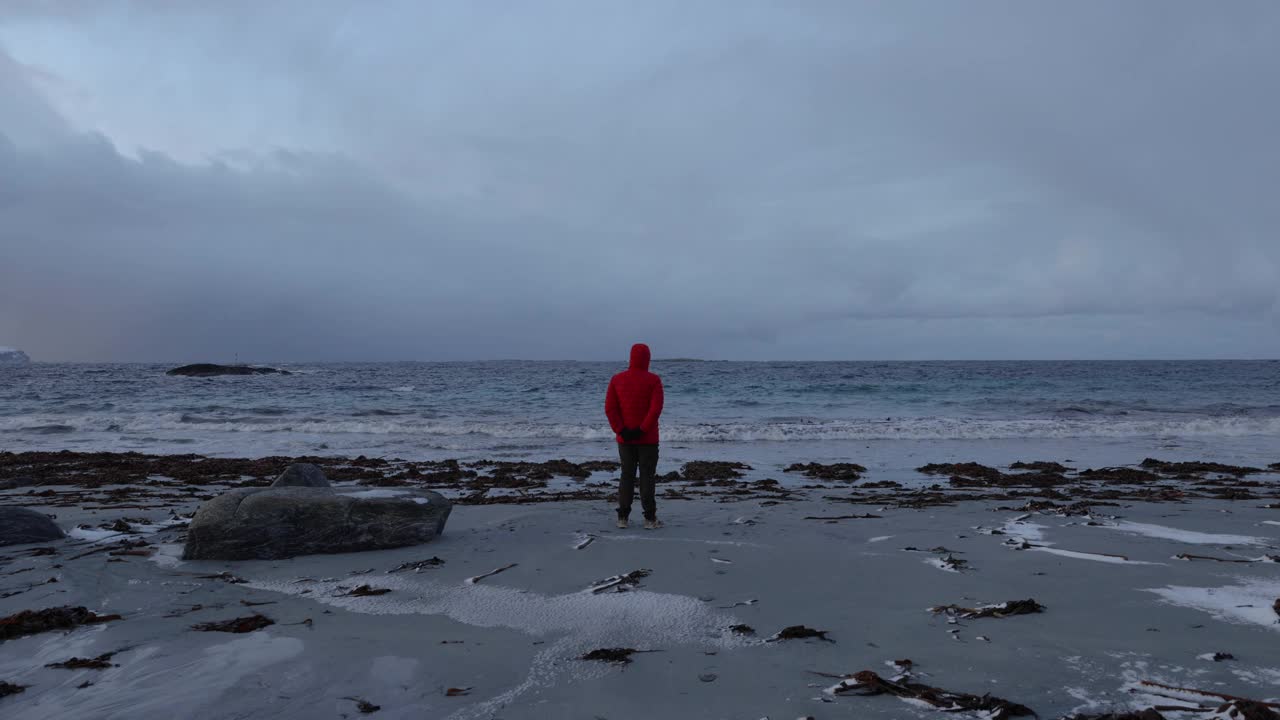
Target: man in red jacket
[{"x": 633, "y": 404}]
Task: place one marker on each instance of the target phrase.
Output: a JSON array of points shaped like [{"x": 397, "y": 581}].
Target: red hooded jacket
[{"x": 634, "y": 399}]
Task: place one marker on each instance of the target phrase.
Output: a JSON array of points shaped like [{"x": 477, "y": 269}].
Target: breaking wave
[{"x": 925, "y": 428}]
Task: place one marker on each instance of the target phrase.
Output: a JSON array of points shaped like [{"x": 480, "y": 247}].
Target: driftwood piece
[
  {"x": 619, "y": 583},
  {"x": 491, "y": 573}
]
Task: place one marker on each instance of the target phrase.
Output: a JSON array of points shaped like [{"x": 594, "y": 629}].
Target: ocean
[{"x": 890, "y": 416}]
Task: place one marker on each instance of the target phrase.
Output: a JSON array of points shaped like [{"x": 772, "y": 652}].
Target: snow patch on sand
[
  {"x": 377, "y": 493},
  {"x": 942, "y": 564},
  {"x": 95, "y": 536},
  {"x": 1249, "y": 603},
  {"x": 1031, "y": 532},
  {"x": 650, "y": 538},
  {"x": 167, "y": 555},
  {"x": 1185, "y": 536},
  {"x": 100, "y": 535},
  {"x": 1096, "y": 557},
  {"x": 879, "y": 538}
]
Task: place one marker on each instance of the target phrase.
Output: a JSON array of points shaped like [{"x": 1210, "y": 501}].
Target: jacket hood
[{"x": 639, "y": 356}]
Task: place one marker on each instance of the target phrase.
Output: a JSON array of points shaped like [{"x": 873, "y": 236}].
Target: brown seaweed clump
[
  {"x": 800, "y": 632},
  {"x": 245, "y": 624},
  {"x": 31, "y": 622},
  {"x": 844, "y": 472},
  {"x": 620, "y": 656},
  {"x": 1003, "y": 610},
  {"x": 868, "y": 682},
  {"x": 8, "y": 688},
  {"x": 102, "y": 662}
]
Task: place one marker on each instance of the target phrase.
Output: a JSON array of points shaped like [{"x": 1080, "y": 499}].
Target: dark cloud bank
[{"x": 724, "y": 180}]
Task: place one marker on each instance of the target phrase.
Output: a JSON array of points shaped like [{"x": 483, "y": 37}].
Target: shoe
[
  {"x": 623, "y": 523},
  {"x": 653, "y": 524}
]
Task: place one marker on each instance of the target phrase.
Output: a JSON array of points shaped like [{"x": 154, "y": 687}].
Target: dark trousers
[{"x": 646, "y": 458}]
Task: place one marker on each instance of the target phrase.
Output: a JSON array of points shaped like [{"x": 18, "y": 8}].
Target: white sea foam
[{"x": 639, "y": 619}]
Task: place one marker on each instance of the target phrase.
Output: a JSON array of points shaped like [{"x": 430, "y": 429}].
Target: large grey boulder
[
  {"x": 302, "y": 475},
  {"x": 283, "y": 522},
  {"x": 19, "y": 526}
]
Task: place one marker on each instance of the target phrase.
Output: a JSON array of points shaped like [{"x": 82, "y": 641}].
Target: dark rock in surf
[
  {"x": 212, "y": 370},
  {"x": 302, "y": 475},
  {"x": 283, "y": 522},
  {"x": 19, "y": 526}
]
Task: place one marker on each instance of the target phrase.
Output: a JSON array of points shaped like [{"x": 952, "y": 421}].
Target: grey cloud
[{"x": 755, "y": 180}]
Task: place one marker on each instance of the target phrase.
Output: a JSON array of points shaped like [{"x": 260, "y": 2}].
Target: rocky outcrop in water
[
  {"x": 283, "y": 522},
  {"x": 212, "y": 370},
  {"x": 19, "y": 526}
]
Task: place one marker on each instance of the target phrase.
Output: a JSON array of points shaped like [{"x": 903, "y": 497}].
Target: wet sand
[{"x": 1120, "y": 605}]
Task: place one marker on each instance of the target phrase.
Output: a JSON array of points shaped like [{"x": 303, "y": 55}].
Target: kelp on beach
[{"x": 125, "y": 481}]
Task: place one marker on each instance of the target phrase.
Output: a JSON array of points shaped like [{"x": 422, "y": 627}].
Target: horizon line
[{"x": 660, "y": 360}]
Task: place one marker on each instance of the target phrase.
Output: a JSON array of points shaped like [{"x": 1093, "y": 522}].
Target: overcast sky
[{"x": 193, "y": 180}]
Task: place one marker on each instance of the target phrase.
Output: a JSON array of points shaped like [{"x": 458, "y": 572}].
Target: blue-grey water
[{"x": 890, "y": 413}]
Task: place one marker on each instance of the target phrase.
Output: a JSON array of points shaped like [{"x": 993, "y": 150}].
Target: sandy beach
[{"x": 1132, "y": 591}]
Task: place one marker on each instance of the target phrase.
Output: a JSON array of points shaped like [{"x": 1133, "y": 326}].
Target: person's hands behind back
[{"x": 630, "y": 434}]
